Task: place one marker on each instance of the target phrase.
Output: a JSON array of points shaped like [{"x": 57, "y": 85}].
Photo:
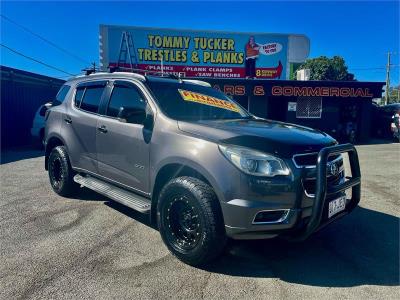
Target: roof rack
[
  {"x": 112, "y": 69},
  {"x": 90, "y": 70}
]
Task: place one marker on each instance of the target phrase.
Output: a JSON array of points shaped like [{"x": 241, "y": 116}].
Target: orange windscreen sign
[{"x": 208, "y": 100}]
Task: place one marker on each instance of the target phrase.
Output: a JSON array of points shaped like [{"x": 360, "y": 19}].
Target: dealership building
[
  {"x": 335, "y": 107},
  {"x": 253, "y": 68}
]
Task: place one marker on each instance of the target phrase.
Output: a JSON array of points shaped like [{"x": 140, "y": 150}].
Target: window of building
[
  {"x": 91, "y": 98},
  {"x": 309, "y": 107}
]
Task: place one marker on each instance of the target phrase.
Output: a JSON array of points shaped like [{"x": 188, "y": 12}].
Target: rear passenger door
[
  {"x": 123, "y": 154},
  {"x": 80, "y": 123}
]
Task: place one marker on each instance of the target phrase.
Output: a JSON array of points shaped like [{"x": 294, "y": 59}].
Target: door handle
[
  {"x": 102, "y": 129},
  {"x": 68, "y": 120}
]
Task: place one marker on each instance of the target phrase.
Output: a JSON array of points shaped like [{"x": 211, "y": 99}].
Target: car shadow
[
  {"x": 86, "y": 194},
  {"x": 359, "y": 249},
  {"x": 131, "y": 213},
  {"x": 362, "y": 248}
]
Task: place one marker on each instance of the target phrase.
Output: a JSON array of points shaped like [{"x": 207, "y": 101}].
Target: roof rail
[{"x": 112, "y": 69}]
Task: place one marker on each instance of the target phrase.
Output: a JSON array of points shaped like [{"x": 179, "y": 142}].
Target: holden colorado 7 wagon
[{"x": 200, "y": 165}]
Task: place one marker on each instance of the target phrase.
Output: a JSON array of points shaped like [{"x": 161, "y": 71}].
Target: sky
[{"x": 361, "y": 32}]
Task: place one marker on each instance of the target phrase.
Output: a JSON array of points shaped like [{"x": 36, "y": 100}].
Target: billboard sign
[{"x": 200, "y": 53}]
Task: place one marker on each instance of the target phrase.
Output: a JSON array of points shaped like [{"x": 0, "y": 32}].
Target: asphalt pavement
[{"x": 88, "y": 247}]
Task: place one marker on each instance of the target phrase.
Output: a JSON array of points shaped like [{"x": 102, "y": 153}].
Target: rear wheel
[
  {"x": 190, "y": 220},
  {"x": 60, "y": 172}
]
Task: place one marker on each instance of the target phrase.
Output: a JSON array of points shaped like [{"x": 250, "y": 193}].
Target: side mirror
[
  {"x": 149, "y": 121},
  {"x": 131, "y": 115},
  {"x": 48, "y": 105}
]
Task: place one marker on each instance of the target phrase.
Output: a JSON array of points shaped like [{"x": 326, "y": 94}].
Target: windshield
[{"x": 186, "y": 101}]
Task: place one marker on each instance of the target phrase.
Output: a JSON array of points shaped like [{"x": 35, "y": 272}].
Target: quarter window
[{"x": 61, "y": 94}]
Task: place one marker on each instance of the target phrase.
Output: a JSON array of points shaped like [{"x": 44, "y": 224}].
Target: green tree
[
  {"x": 325, "y": 68},
  {"x": 393, "y": 95}
]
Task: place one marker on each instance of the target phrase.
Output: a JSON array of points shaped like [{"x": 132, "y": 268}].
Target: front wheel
[{"x": 190, "y": 220}]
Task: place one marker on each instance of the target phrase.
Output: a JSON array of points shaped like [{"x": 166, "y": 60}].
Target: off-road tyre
[
  {"x": 190, "y": 221},
  {"x": 61, "y": 174}
]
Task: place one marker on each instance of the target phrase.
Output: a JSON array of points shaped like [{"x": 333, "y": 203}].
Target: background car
[
  {"x": 382, "y": 118},
  {"x": 38, "y": 124}
]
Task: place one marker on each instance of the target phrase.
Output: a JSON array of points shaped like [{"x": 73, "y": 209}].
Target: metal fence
[{"x": 22, "y": 93}]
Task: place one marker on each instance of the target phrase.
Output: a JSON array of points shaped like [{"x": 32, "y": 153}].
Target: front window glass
[
  {"x": 127, "y": 97},
  {"x": 187, "y": 101}
]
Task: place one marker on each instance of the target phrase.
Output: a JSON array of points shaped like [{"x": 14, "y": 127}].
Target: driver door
[{"x": 122, "y": 152}]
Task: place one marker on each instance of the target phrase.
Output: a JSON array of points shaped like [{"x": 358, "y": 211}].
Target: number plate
[{"x": 336, "y": 206}]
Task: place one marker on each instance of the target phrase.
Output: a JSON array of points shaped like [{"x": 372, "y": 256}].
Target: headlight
[{"x": 254, "y": 162}]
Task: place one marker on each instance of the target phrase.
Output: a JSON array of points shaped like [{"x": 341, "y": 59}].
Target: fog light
[{"x": 271, "y": 216}]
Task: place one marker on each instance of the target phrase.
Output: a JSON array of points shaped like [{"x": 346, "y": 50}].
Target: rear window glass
[
  {"x": 62, "y": 93},
  {"x": 91, "y": 99},
  {"x": 78, "y": 96}
]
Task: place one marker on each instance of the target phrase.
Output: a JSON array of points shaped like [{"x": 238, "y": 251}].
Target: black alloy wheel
[
  {"x": 184, "y": 226},
  {"x": 56, "y": 173}
]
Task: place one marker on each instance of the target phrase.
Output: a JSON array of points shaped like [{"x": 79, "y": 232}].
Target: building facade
[
  {"x": 339, "y": 108},
  {"x": 22, "y": 93}
]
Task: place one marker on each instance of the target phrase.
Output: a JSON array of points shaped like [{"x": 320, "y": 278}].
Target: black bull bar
[{"x": 322, "y": 191}]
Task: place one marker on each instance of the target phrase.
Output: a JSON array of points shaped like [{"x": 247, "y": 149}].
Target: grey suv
[{"x": 199, "y": 164}]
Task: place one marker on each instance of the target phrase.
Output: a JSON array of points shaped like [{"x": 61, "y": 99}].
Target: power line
[
  {"x": 372, "y": 68},
  {"x": 46, "y": 40},
  {"x": 35, "y": 60},
  {"x": 367, "y": 69}
]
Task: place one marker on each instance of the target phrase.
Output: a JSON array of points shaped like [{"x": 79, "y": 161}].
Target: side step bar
[{"x": 122, "y": 196}]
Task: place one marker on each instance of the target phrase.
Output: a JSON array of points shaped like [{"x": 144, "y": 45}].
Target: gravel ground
[{"x": 92, "y": 248}]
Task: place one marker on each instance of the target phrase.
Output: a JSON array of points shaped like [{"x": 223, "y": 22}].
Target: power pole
[
  {"x": 387, "y": 78},
  {"x": 398, "y": 83}
]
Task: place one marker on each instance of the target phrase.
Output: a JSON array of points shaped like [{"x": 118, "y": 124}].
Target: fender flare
[{"x": 187, "y": 163}]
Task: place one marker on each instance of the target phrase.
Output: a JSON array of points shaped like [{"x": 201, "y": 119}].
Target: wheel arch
[
  {"x": 174, "y": 169},
  {"x": 51, "y": 143}
]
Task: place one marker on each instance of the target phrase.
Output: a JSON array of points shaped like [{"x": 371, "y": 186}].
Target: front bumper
[{"x": 304, "y": 214}]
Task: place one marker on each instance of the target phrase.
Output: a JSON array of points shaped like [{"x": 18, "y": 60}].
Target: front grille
[
  {"x": 309, "y": 184},
  {"x": 310, "y": 159}
]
